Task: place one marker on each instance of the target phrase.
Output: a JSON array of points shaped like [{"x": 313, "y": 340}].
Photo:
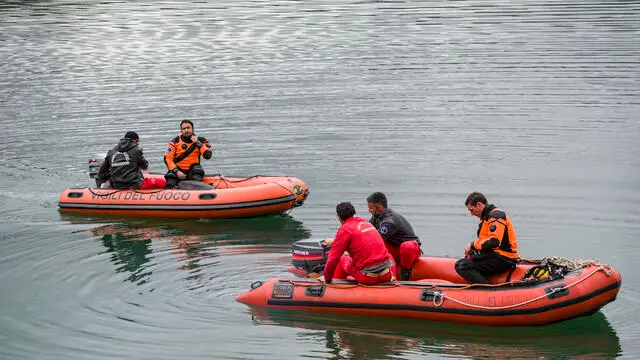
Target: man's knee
[
  {"x": 196, "y": 172},
  {"x": 345, "y": 263},
  {"x": 463, "y": 265},
  {"x": 409, "y": 253},
  {"x": 171, "y": 179},
  {"x": 343, "y": 268}
]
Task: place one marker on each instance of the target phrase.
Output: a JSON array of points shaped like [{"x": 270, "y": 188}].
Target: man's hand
[
  {"x": 181, "y": 175},
  {"x": 195, "y": 140},
  {"x": 467, "y": 250},
  {"x": 328, "y": 242}
]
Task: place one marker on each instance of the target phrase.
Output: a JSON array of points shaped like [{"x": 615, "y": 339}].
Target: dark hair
[
  {"x": 474, "y": 198},
  {"x": 186, "y": 122},
  {"x": 345, "y": 210},
  {"x": 131, "y": 135},
  {"x": 378, "y": 198}
]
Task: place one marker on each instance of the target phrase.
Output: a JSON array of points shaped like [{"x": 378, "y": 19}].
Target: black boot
[{"x": 405, "y": 274}]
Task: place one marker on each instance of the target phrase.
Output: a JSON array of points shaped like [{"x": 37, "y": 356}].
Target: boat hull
[
  {"x": 228, "y": 198},
  {"x": 580, "y": 292}
]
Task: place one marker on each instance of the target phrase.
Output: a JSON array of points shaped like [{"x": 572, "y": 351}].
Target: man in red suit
[{"x": 368, "y": 261}]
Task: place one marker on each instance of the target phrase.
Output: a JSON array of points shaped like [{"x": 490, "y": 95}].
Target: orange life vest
[{"x": 496, "y": 232}]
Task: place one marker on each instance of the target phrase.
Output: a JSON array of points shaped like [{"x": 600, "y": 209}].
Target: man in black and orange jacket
[
  {"x": 496, "y": 249},
  {"x": 399, "y": 238},
  {"x": 182, "y": 156}
]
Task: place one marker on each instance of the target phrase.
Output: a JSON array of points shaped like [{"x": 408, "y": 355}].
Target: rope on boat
[
  {"x": 438, "y": 298},
  {"x": 438, "y": 302},
  {"x": 105, "y": 194},
  {"x": 345, "y": 286},
  {"x": 244, "y": 179},
  {"x": 227, "y": 182},
  {"x": 230, "y": 182},
  {"x": 290, "y": 192}
]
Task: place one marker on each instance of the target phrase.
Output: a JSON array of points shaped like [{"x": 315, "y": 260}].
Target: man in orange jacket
[
  {"x": 182, "y": 156},
  {"x": 496, "y": 249},
  {"x": 368, "y": 262}
]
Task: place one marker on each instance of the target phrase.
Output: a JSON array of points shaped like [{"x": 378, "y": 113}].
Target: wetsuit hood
[{"x": 125, "y": 144}]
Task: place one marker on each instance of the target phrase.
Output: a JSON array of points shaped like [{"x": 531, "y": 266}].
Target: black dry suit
[
  {"x": 393, "y": 227},
  {"x": 123, "y": 165}
]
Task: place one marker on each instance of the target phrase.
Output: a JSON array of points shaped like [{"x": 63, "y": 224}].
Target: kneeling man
[{"x": 368, "y": 261}]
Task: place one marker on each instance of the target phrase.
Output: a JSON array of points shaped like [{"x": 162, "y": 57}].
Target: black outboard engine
[{"x": 309, "y": 256}]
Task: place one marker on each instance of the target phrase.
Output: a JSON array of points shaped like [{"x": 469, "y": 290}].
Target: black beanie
[{"x": 131, "y": 135}]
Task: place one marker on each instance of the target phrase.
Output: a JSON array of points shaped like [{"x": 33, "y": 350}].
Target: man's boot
[{"x": 405, "y": 274}]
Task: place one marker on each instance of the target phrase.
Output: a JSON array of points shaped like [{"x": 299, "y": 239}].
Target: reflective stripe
[
  {"x": 383, "y": 272},
  {"x": 375, "y": 269}
]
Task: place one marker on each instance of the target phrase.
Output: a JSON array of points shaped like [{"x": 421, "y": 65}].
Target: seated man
[
  {"x": 182, "y": 156},
  {"x": 368, "y": 262},
  {"x": 123, "y": 165},
  {"x": 496, "y": 249},
  {"x": 399, "y": 238}
]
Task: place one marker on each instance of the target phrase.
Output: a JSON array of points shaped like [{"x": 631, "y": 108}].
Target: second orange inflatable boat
[{"x": 436, "y": 292}]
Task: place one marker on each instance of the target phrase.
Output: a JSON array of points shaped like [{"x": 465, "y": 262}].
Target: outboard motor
[{"x": 309, "y": 256}]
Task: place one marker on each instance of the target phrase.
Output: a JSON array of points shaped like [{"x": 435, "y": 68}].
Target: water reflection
[
  {"x": 270, "y": 229},
  {"x": 190, "y": 243},
  {"x": 356, "y": 337},
  {"x": 129, "y": 255}
]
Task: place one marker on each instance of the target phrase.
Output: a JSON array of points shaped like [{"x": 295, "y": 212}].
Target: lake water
[{"x": 534, "y": 103}]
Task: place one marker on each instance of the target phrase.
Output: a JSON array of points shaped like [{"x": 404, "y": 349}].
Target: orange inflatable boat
[
  {"x": 437, "y": 293},
  {"x": 219, "y": 197}
]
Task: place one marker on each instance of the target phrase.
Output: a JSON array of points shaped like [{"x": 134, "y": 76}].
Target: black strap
[
  {"x": 182, "y": 156},
  {"x": 375, "y": 269},
  {"x": 513, "y": 268}
]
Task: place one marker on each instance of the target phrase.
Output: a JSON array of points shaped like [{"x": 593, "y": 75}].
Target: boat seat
[{"x": 193, "y": 185}]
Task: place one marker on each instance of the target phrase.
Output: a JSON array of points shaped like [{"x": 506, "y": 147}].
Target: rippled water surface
[{"x": 534, "y": 103}]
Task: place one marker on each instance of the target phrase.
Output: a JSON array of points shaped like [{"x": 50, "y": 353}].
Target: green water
[{"x": 533, "y": 103}]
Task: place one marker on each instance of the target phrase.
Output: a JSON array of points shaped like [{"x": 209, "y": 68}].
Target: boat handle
[{"x": 207, "y": 196}]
